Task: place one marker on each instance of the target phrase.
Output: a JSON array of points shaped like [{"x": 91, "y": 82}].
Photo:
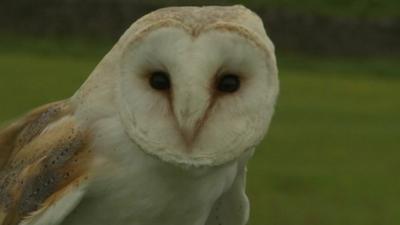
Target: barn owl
[{"x": 159, "y": 134}]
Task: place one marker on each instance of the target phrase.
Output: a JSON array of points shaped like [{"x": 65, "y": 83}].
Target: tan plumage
[
  {"x": 43, "y": 156},
  {"x": 123, "y": 150}
]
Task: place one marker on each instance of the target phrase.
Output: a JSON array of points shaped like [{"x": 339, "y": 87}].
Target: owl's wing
[
  {"x": 232, "y": 208},
  {"x": 43, "y": 166}
]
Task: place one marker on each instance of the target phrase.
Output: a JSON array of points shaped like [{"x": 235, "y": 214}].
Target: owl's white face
[{"x": 196, "y": 100}]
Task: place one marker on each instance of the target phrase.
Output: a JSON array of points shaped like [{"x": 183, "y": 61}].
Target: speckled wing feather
[{"x": 44, "y": 158}]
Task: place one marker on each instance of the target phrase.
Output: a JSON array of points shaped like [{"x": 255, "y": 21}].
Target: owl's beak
[{"x": 190, "y": 109}]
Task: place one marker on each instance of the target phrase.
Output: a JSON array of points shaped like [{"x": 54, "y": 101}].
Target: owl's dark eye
[
  {"x": 228, "y": 83},
  {"x": 159, "y": 80}
]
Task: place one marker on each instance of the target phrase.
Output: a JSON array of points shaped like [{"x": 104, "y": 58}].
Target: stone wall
[{"x": 290, "y": 30}]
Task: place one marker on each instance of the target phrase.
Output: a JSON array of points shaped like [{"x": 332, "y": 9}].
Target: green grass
[{"x": 331, "y": 156}]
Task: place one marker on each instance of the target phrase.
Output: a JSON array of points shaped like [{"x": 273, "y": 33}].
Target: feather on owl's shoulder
[{"x": 44, "y": 155}]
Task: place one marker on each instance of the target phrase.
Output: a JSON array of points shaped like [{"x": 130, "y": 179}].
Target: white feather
[{"x": 177, "y": 157}]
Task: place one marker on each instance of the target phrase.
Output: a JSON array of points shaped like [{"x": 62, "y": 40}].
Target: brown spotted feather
[{"x": 42, "y": 155}]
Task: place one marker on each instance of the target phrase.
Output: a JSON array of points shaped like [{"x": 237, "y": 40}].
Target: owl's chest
[{"x": 134, "y": 188}]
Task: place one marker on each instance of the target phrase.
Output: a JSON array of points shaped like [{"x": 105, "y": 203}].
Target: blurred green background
[{"x": 332, "y": 155}]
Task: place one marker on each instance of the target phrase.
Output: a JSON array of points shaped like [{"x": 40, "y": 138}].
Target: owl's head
[{"x": 195, "y": 85}]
